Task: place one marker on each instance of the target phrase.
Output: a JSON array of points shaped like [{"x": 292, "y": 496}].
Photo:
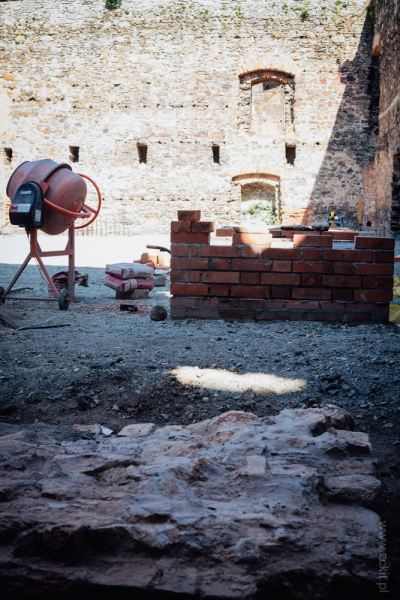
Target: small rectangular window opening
[
  {"x": 8, "y": 154},
  {"x": 142, "y": 152},
  {"x": 74, "y": 156},
  {"x": 215, "y": 151},
  {"x": 290, "y": 154}
]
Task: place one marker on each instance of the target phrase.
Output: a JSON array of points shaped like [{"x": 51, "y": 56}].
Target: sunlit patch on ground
[{"x": 219, "y": 379}]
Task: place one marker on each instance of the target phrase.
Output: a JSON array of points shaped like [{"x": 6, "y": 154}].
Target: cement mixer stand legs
[{"x": 37, "y": 253}]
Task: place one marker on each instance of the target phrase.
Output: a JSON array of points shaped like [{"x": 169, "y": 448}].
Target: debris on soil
[{"x": 158, "y": 313}]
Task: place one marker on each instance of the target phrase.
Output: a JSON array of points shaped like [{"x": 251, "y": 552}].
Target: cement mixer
[{"x": 49, "y": 196}]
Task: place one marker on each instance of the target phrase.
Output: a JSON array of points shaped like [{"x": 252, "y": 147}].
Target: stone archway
[{"x": 260, "y": 197}]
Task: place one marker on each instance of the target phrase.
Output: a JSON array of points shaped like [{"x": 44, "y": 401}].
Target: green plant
[
  {"x": 112, "y": 4},
  {"x": 264, "y": 211},
  {"x": 304, "y": 10}
]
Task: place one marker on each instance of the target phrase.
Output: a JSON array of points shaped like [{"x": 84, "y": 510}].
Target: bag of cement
[
  {"x": 129, "y": 271},
  {"x": 394, "y": 314},
  {"x": 396, "y": 286},
  {"x": 127, "y": 285}
]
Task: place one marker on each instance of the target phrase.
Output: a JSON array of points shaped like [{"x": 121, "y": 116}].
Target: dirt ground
[{"x": 114, "y": 369}]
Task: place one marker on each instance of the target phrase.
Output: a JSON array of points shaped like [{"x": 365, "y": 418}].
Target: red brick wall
[{"x": 250, "y": 280}]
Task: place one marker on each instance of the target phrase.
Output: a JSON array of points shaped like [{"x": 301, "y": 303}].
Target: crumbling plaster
[{"x": 173, "y": 76}]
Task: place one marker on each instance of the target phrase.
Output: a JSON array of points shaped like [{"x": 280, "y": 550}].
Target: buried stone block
[{"x": 290, "y": 490}]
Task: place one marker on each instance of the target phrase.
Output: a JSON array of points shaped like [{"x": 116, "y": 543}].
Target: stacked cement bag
[{"x": 125, "y": 277}]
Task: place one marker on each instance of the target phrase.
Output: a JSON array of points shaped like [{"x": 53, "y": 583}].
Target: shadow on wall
[{"x": 347, "y": 169}]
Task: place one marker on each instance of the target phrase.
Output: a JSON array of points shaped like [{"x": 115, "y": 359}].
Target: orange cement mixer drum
[{"x": 67, "y": 190}]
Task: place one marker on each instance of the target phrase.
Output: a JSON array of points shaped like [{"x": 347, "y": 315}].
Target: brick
[
  {"x": 311, "y": 280},
  {"x": 343, "y": 268},
  {"x": 216, "y": 302},
  {"x": 225, "y": 232},
  {"x": 189, "y": 263},
  {"x": 381, "y": 307},
  {"x": 203, "y": 313},
  {"x": 220, "y": 264},
  {"x": 373, "y": 295},
  {"x": 312, "y": 267},
  {"x": 382, "y": 269},
  {"x": 186, "y": 301},
  {"x": 281, "y": 253},
  {"x": 250, "y": 252},
  {"x": 368, "y": 255},
  {"x": 341, "y": 281},
  {"x": 320, "y": 316},
  {"x": 189, "y": 289},
  {"x": 273, "y": 315},
  {"x": 279, "y": 304},
  {"x": 302, "y": 305},
  {"x": 190, "y": 238},
  {"x": 194, "y": 250},
  {"x": 189, "y": 215},
  {"x": 256, "y": 303},
  {"x": 220, "y": 277},
  {"x": 222, "y": 291},
  {"x": 384, "y": 283},
  {"x": 311, "y": 294},
  {"x": 343, "y": 255},
  {"x": 180, "y": 226},
  {"x": 281, "y": 292},
  {"x": 338, "y": 306},
  {"x": 380, "y": 317},
  {"x": 194, "y": 276},
  {"x": 237, "y": 314},
  {"x": 219, "y": 251},
  {"x": 375, "y": 243},
  {"x": 342, "y": 295},
  {"x": 343, "y": 235},
  {"x": 249, "y": 264},
  {"x": 278, "y": 279},
  {"x": 177, "y": 313},
  {"x": 355, "y": 317},
  {"x": 250, "y": 278},
  {"x": 202, "y": 226},
  {"x": 182, "y": 276},
  {"x": 261, "y": 239},
  {"x": 384, "y": 257},
  {"x": 311, "y": 254},
  {"x": 319, "y": 241},
  {"x": 250, "y": 291},
  {"x": 179, "y": 250},
  {"x": 282, "y": 266},
  {"x": 368, "y": 282}
]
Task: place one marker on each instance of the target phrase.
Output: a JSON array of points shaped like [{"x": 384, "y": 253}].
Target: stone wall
[
  {"x": 387, "y": 46},
  {"x": 178, "y": 78}
]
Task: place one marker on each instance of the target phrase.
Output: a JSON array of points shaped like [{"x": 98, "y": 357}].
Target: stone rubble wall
[
  {"x": 178, "y": 78},
  {"x": 387, "y": 28},
  {"x": 313, "y": 280}
]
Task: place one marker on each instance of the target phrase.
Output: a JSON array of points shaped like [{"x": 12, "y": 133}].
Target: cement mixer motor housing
[{"x": 27, "y": 207}]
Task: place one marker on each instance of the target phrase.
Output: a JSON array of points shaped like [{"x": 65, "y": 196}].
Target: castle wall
[
  {"x": 387, "y": 28},
  {"x": 178, "y": 78}
]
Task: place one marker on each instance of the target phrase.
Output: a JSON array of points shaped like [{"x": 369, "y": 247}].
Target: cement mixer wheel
[
  {"x": 63, "y": 300},
  {"x": 2, "y": 300}
]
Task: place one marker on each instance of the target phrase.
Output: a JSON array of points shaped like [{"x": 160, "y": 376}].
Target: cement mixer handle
[
  {"x": 87, "y": 208},
  {"x": 69, "y": 213}
]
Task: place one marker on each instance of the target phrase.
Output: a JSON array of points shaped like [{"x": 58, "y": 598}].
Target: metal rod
[
  {"x": 31, "y": 298},
  {"x": 56, "y": 253},
  {"x": 71, "y": 262},
  {"x": 17, "y": 275}
]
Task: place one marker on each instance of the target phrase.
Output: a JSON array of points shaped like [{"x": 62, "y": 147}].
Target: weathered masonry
[
  {"x": 214, "y": 104},
  {"x": 330, "y": 276}
]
